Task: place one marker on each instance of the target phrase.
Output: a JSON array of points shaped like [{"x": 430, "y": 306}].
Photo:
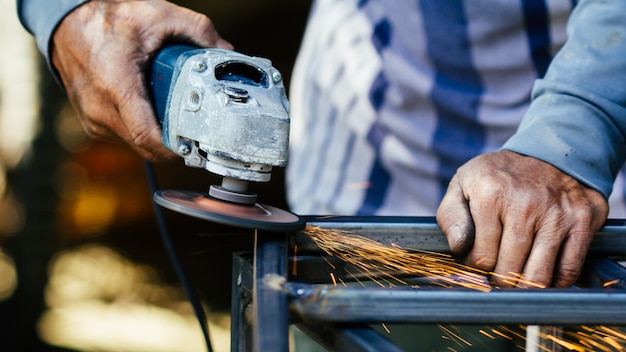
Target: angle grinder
[{"x": 225, "y": 112}]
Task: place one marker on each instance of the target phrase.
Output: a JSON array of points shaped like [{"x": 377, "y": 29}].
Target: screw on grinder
[{"x": 225, "y": 112}]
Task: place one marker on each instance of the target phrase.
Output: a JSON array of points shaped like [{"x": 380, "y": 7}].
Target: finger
[
  {"x": 547, "y": 243},
  {"x": 141, "y": 129},
  {"x": 94, "y": 112},
  {"x": 515, "y": 246},
  {"x": 98, "y": 106},
  {"x": 541, "y": 260},
  {"x": 590, "y": 220},
  {"x": 488, "y": 228},
  {"x": 561, "y": 244},
  {"x": 453, "y": 216},
  {"x": 570, "y": 263}
]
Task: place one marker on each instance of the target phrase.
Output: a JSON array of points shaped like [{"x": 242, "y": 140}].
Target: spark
[
  {"x": 501, "y": 334},
  {"x": 356, "y": 278},
  {"x": 454, "y": 335},
  {"x": 329, "y": 263},
  {"x": 613, "y": 332},
  {"x": 512, "y": 332},
  {"x": 613, "y": 343},
  {"x": 486, "y": 334},
  {"x": 610, "y": 283},
  {"x": 572, "y": 346}
]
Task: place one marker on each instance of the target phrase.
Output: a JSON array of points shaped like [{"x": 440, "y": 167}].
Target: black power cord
[{"x": 196, "y": 304}]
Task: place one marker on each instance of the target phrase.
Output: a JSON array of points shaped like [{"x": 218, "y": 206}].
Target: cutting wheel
[{"x": 256, "y": 216}]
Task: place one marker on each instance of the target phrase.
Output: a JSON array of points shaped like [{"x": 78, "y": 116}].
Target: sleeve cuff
[
  {"x": 573, "y": 135},
  {"x": 41, "y": 17}
]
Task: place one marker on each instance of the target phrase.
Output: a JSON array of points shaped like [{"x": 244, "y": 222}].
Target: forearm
[{"x": 577, "y": 120}]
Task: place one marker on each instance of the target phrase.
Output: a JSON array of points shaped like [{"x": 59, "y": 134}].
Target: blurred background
[{"x": 82, "y": 266}]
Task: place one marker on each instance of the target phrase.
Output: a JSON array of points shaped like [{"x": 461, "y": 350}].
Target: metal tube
[
  {"x": 271, "y": 315},
  {"x": 241, "y": 298},
  {"x": 424, "y": 233},
  {"x": 316, "y": 303}
]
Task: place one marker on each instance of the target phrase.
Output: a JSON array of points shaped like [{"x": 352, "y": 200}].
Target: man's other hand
[{"x": 512, "y": 214}]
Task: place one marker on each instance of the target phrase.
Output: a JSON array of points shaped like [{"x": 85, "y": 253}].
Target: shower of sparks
[
  {"x": 387, "y": 266},
  {"x": 383, "y": 264}
]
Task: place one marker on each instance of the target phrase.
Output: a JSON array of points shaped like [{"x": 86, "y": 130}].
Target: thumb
[{"x": 455, "y": 220}]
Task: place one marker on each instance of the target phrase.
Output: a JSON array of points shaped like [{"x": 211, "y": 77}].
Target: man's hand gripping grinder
[{"x": 227, "y": 113}]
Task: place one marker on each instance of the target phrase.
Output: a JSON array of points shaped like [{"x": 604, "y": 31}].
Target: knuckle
[
  {"x": 142, "y": 142},
  {"x": 584, "y": 217},
  {"x": 582, "y": 222},
  {"x": 202, "y": 26},
  {"x": 92, "y": 131},
  {"x": 94, "y": 128},
  {"x": 489, "y": 189},
  {"x": 204, "y": 23},
  {"x": 566, "y": 275},
  {"x": 141, "y": 137}
]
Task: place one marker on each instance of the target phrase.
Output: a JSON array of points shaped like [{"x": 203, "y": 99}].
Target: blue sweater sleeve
[
  {"x": 41, "y": 17},
  {"x": 577, "y": 119}
]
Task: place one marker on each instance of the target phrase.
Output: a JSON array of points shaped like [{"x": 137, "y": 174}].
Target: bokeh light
[
  {"x": 100, "y": 300},
  {"x": 8, "y": 276}
]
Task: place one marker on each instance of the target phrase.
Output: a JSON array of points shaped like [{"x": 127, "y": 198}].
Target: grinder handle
[{"x": 164, "y": 69}]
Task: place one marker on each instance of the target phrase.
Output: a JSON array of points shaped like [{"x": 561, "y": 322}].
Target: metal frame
[{"x": 267, "y": 299}]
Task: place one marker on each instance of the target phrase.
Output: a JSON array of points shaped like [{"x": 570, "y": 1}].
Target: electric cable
[{"x": 196, "y": 304}]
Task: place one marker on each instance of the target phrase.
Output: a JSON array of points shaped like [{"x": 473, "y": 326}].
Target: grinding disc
[{"x": 255, "y": 216}]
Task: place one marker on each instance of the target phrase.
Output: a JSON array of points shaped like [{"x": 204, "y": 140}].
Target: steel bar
[
  {"x": 352, "y": 338},
  {"x": 424, "y": 233},
  {"x": 317, "y": 303},
  {"x": 241, "y": 299},
  {"x": 271, "y": 315}
]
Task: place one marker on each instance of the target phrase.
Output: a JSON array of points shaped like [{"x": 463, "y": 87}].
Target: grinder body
[
  {"x": 225, "y": 112},
  {"x": 222, "y": 111}
]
